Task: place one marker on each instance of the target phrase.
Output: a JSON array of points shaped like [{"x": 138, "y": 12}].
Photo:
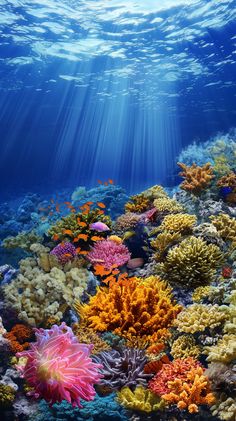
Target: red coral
[{"x": 227, "y": 272}]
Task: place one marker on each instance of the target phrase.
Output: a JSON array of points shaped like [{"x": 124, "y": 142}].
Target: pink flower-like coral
[
  {"x": 109, "y": 253},
  {"x": 64, "y": 252},
  {"x": 58, "y": 367}
]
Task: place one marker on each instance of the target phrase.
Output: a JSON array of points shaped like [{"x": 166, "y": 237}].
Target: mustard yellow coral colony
[{"x": 151, "y": 294}]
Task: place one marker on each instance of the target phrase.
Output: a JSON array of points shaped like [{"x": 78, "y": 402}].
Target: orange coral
[
  {"x": 135, "y": 308},
  {"x": 152, "y": 367},
  {"x": 18, "y": 337},
  {"x": 190, "y": 392},
  {"x": 196, "y": 178},
  {"x": 139, "y": 203},
  {"x": 228, "y": 180}
]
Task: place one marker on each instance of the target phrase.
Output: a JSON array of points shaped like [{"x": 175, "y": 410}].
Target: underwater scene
[{"x": 117, "y": 210}]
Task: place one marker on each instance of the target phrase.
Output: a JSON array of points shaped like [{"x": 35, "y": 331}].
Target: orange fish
[
  {"x": 106, "y": 183},
  {"x": 73, "y": 210},
  {"x": 89, "y": 203},
  {"x": 67, "y": 203},
  {"x": 96, "y": 238},
  {"x": 78, "y": 250},
  {"x": 100, "y": 212},
  {"x": 84, "y": 252},
  {"x": 82, "y": 237},
  {"x": 111, "y": 181},
  {"x": 57, "y": 208},
  {"x": 101, "y": 205},
  {"x": 99, "y": 182},
  {"x": 82, "y": 224},
  {"x": 68, "y": 232},
  {"x": 67, "y": 254},
  {"x": 100, "y": 270},
  {"x": 55, "y": 237}
]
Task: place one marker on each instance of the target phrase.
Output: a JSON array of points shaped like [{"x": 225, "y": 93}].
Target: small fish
[
  {"x": 84, "y": 252},
  {"x": 100, "y": 212},
  {"x": 99, "y": 226},
  {"x": 67, "y": 254},
  {"x": 95, "y": 238},
  {"x": 55, "y": 237},
  {"x": 135, "y": 263},
  {"x": 111, "y": 181},
  {"x": 101, "y": 205},
  {"x": 82, "y": 237},
  {"x": 68, "y": 232},
  {"x": 78, "y": 250},
  {"x": 99, "y": 182},
  {"x": 128, "y": 234},
  {"x": 67, "y": 203},
  {"x": 100, "y": 270},
  {"x": 57, "y": 208},
  {"x": 89, "y": 203},
  {"x": 82, "y": 224},
  {"x": 106, "y": 183}
]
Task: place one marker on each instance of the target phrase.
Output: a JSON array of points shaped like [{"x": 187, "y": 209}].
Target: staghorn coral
[
  {"x": 191, "y": 392},
  {"x": 22, "y": 240},
  {"x": 224, "y": 351},
  {"x": 133, "y": 309},
  {"x": 178, "y": 223},
  {"x": 7, "y": 395},
  {"x": 53, "y": 371},
  {"x": 109, "y": 253},
  {"x": 161, "y": 243},
  {"x": 168, "y": 205},
  {"x": 140, "y": 399},
  {"x": 192, "y": 263},
  {"x": 36, "y": 295},
  {"x": 201, "y": 293},
  {"x": 122, "y": 368},
  {"x": 196, "y": 178},
  {"x": 126, "y": 222},
  {"x": 199, "y": 317},
  {"x": 185, "y": 346},
  {"x": 87, "y": 336},
  {"x": 224, "y": 408},
  {"x": 138, "y": 204},
  {"x": 18, "y": 337},
  {"x": 225, "y": 225}
]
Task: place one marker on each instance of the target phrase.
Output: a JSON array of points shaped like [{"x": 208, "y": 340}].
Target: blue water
[{"x": 99, "y": 89}]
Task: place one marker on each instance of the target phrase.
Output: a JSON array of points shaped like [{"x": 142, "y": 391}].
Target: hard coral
[
  {"x": 18, "y": 337},
  {"x": 224, "y": 351},
  {"x": 7, "y": 395},
  {"x": 228, "y": 180},
  {"x": 122, "y": 368},
  {"x": 192, "y": 263},
  {"x": 109, "y": 253},
  {"x": 162, "y": 242},
  {"x": 87, "y": 336},
  {"x": 196, "y": 178},
  {"x": 226, "y": 226},
  {"x": 126, "y": 222},
  {"x": 140, "y": 399},
  {"x": 167, "y": 205},
  {"x": 185, "y": 346},
  {"x": 64, "y": 252},
  {"x": 178, "y": 223},
  {"x": 224, "y": 408},
  {"x": 138, "y": 204},
  {"x": 134, "y": 309},
  {"x": 199, "y": 317},
  {"x": 59, "y": 367}
]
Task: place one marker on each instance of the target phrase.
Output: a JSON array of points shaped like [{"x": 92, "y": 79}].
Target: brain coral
[
  {"x": 109, "y": 253},
  {"x": 36, "y": 295},
  {"x": 132, "y": 309},
  {"x": 192, "y": 263},
  {"x": 59, "y": 367},
  {"x": 199, "y": 317}
]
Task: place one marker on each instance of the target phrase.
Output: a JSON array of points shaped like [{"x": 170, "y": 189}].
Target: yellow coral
[
  {"x": 201, "y": 293},
  {"x": 224, "y": 408},
  {"x": 224, "y": 351},
  {"x": 139, "y": 203},
  {"x": 192, "y": 263},
  {"x": 7, "y": 395},
  {"x": 162, "y": 242},
  {"x": 140, "y": 400},
  {"x": 180, "y": 222},
  {"x": 191, "y": 393},
  {"x": 198, "y": 317},
  {"x": 88, "y": 336},
  {"x": 185, "y": 346},
  {"x": 196, "y": 178},
  {"x": 221, "y": 165},
  {"x": 155, "y": 192},
  {"x": 165, "y": 204},
  {"x": 225, "y": 225},
  {"x": 137, "y": 308}
]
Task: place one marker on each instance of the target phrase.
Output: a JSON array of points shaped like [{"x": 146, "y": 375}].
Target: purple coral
[
  {"x": 123, "y": 368},
  {"x": 64, "y": 252},
  {"x": 109, "y": 253}
]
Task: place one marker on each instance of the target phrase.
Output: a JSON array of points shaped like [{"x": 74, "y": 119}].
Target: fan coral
[
  {"x": 224, "y": 408},
  {"x": 126, "y": 222},
  {"x": 59, "y": 367},
  {"x": 37, "y": 295},
  {"x": 168, "y": 205},
  {"x": 7, "y": 395},
  {"x": 199, "y": 317},
  {"x": 224, "y": 351},
  {"x": 196, "y": 178},
  {"x": 88, "y": 336},
  {"x": 64, "y": 252},
  {"x": 181, "y": 223},
  {"x": 133, "y": 309},
  {"x": 140, "y": 400},
  {"x": 122, "y": 368},
  {"x": 193, "y": 263},
  {"x": 18, "y": 337},
  {"x": 185, "y": 346},
  {"x": 226, "y": 226},
  {"x": 191, "y": 392},
  {"x": 162, "y": 242},
  {"x": 139, "y": 203},
  {"x": 109, "y": 253}
]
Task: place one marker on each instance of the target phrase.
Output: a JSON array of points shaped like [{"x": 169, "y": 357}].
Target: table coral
[
  {"x": 185, "y": 346},
  {"x": 109, "y": 253},
  {"x": 180, "y": 222},
  {"x": 196, "y": 178},
  {"x": 140, "y": 399},
  {"x": 135, "y": 308},
  {"x": 199, "y": 317},
  {"x": 37, "y": 295},
  {"x": 192, "y": 263}
]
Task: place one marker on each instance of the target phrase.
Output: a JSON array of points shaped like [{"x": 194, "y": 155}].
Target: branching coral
[
  {"x": 53, "y": 371},
  {"x": 185, "y": 346},
  {"x": 199, "y": 317},
  {"x": 138, "y": 204},
  {"x": 109, "y": 253},
  {"x": 180, "y": 223},
  {"x": 132, "y": 309},
  {"x": 37, "y": 295},
  {"x": 126, "y": 222},
  {"x": 140, "y": 399},
  {"x": 162, "y": 242},
  {"x": 87, "y": 336},
  {"x": 224, "y": 351},
  {"x": 18, "y": 337},
  {"x": 196, "y": 178},
  {"x": 193, "y": 263},
  {"x": 155, "y": 192},
  {"x": 224, "y": 408},
  {"x": 228, "y": 180},
  {"x": 122, "y": 368},
  {"x": 168, "y": 205},
  {"x": 200, "y": 293},
  {"x": 226, "y": 226}
]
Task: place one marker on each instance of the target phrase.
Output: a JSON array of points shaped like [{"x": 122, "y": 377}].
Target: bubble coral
[
  {"x": 199, "y": 317},
  {"x": 59, "y": 367},
  {"x": 196, "y": 178},
  {"x": 134, "y": 309},
  {"x": 18, "y": 337},
  {"x": 109, "y": 253},
  {"x": 140, "y": 399},
  {"x": 192, "y": 263},
  {"x": 122, "y": 368},
  {"x": 185, "y": 346},
  {"x": 180, "y": 223},
  {"x": 64, "y": 252}
]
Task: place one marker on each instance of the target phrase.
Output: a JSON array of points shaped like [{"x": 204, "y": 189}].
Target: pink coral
[
  {"x": 109, "y": 253},
  {"x": 59, "y": 367}
]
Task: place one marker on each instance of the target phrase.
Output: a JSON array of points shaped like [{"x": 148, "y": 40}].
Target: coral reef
[
  {"x": 18, "y": 338},
  {"x": 126, "y": 222}
]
